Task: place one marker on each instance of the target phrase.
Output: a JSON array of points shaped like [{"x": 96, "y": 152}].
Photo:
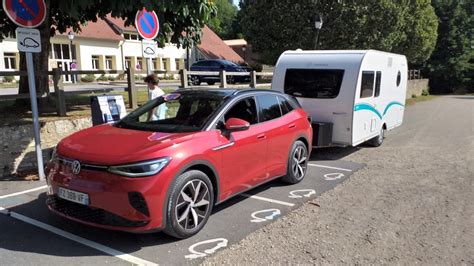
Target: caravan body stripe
[{"x": 365, "y": 106}]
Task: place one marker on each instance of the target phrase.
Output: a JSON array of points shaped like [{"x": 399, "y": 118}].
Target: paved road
[{"x": 23, "y": 242}]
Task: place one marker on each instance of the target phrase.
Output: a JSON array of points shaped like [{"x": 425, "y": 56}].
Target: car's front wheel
[
  {"x": 189, "y": 205},
  {"x": 297, "y": 163}
]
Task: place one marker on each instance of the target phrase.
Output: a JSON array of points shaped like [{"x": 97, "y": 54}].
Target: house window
[
  {"x": 128, "y": 61},
  {"x": 108, "y": 62},
  {"x": 131, "y": 36},
  {"x": 95, "y": 62},
  {"x": 10, "y": 61},
  {"x": 177, "y": 63},
  {"x": 139, "y": 65}
]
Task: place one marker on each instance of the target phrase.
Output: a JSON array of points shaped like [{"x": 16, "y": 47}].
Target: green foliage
[
  {"x": 275, "y": 26},
  {"x": 8, "y": 79},
  {"x": 223, "y": 23},
  {"x": 451, "y": 66},
  {"x": 425, "y": 93},
  {"x": 88, "y": 78},
  {"x": 102, "y": 78},
  {"x": 111, "y": 78}
]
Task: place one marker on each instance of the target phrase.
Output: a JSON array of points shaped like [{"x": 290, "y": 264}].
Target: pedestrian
[{"x": 154, "y": 92}]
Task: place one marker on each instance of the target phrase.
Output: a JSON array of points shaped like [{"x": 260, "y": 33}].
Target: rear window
[{"x": 313, "y": 83}]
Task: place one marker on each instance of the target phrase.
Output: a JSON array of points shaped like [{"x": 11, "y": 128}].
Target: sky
[{"x": 236, "y": 2}]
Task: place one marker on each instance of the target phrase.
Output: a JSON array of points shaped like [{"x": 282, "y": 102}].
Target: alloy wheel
[
  {"x": 299, "y": 162},
  {"x": 193, "y": 204}
]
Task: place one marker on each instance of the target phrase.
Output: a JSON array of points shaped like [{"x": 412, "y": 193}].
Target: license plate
[{"x": 74, "y": 196}]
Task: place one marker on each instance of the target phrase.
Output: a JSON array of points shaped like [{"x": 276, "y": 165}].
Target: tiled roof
[
  {"x": 120, "y": 23},
  {"x": 97, "y": 30},
  {"x": 212, "y": 47}
]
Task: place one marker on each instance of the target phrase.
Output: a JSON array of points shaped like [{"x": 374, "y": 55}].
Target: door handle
[
  {"x": 261, "y": 136},
  {"x": 292, "y": 126}
]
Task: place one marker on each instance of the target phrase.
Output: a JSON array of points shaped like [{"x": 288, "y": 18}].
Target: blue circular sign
[
  {"x": 147, "y": 24},
  {"x": 25, "y": 13}
]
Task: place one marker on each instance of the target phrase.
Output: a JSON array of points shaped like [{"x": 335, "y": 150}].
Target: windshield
[{"x": 175, "y": 113}]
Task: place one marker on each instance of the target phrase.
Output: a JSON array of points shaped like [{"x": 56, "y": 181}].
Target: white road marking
[
  {"x": 110, "y": 251},
  {"x": 274, "y": 214},
  {"x": 329, "y": 167},
  {"x": 220, "y": 243},
  {"x": 306, "y": 193},
  {"x": 22, "y": 192},
  {"x": 333, "y": 176},
  {"x": 268, "y": 200}
]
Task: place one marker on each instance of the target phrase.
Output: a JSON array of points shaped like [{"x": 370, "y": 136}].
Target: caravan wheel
[{"x": 378, "y": 140}]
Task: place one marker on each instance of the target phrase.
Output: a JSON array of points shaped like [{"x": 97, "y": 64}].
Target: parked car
[
  {"x": 216, "y": 66},
  {"x": 167, "y": 174}
]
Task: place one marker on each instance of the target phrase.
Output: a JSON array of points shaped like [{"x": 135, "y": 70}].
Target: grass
[{"x": 418, "y": 99}]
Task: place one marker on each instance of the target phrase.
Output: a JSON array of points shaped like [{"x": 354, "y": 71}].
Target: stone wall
[
  {"x": 416, "y": 87},
  {"x": 17, "y": 143}
]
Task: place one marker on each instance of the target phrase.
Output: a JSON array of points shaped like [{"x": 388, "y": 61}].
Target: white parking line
[
  {"x": 110, "y": 251},
  {"x": 22, "y": 192},
  {"x": 329, "y": 167},
  {"x": 268, "y": 200}
]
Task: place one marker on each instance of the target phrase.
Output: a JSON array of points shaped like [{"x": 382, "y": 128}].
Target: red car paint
[{"x": 258, "y": 155}]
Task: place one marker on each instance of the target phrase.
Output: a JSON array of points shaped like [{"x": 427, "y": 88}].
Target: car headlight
[{"x": 142, "y": 169}]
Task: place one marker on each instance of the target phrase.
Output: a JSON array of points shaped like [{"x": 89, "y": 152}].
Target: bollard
[
  {"x": 132, "y": 90},
  {"x": 253, "y": 79},
  {"x": 183, "y": 74},
  {"x": 59, "y": 92},
  {"x": 223, "y": 79}
]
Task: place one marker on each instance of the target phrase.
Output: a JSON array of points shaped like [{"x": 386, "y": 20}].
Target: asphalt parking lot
[{"x": 32, "y": 234}]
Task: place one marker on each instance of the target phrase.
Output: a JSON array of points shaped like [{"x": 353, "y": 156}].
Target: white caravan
[{"x": 351, "y": 96}]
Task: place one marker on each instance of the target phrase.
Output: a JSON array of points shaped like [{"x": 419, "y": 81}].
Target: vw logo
[{"x": 76, "y": 167}]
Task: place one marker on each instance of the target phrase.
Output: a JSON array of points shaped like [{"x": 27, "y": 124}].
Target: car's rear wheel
[
  {"x": 195, "y": 80},
  {"x": 297, "y": 163},
  {"x": 189, "y": 205}
]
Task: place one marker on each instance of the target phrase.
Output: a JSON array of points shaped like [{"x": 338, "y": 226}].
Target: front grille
[
  {"x": 90, "y": 214},
  {"x": 138, "y": 202}
]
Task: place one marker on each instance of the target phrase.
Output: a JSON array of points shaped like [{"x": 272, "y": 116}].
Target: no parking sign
[
  {"x": 25, "y": 13},
  {"x": 147, "y": 24}
]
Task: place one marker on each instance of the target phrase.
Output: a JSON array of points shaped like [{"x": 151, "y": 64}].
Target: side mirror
[{"x": 236, "y": 124}]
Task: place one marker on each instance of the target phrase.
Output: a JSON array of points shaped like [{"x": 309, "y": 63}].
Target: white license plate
[{"x": 74, "y": 196}]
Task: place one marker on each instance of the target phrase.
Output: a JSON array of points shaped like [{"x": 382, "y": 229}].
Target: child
[{"x": 154, "y": 92}]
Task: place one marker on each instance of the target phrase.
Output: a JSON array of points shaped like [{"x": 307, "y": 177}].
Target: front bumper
[{"x": 115, "y": 202}]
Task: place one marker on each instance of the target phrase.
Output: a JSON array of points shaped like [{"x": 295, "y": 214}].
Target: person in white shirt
[{"x": 154, "y": 92}]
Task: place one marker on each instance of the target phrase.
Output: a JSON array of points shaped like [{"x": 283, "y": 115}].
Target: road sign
[
  {"x": 147, "y": 24},
  {"x": 138, "y": 67},
  {"x": 73, "y": 66},
  {"x": 149, "y": 48},
  {"x": 25, "y": 13},
  {"x": 28, "y": 40}
]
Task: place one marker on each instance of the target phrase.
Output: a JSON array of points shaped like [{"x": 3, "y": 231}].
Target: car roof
[{"x": 231, "y": 91}]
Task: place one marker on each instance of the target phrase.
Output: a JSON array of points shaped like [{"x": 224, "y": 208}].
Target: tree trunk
[{"x": 41, "y": 66}]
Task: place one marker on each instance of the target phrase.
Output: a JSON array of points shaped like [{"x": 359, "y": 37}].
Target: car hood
[{"x": 109, "y": 145}]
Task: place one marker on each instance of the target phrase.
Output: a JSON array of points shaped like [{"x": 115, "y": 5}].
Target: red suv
[{"x": 166, "y": 171}]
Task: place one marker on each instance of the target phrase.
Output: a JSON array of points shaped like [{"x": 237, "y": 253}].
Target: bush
[
  {"x": 88, "y": 78},
  {"x": 102, "y": 78},
  {"x": 121, "y": 76},
  {"x": 9, "y": 79},
  {"x": 111, "y": 78},
  {"x": 425, "y": 93},
  {"x": 138, "y": 77}
]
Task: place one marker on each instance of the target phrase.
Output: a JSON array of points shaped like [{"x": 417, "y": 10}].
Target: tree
[
  {"x": 451, "y": 65},
  {"x": 176, "y": 17},
  {"x": 221, "y": 24},
  {"x": 275, "y": 26}
]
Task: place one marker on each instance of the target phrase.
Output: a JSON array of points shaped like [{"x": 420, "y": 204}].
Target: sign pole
[
  {"x": 34, "y": 110},
  {"x": 149, "y": 66}
]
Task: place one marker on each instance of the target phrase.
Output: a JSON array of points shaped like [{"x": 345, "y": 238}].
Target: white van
[{"x": 352, "y": 96}]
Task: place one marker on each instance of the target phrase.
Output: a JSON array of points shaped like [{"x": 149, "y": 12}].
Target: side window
[
  {"x": 245, "y": 109},
  {"x": 284, "y": 105},
  {"x": 269, "y": 107},
  {"x": 399, "y": 78},
  {"x": 378, "y": 80},
  {"x": 313, "y": 83},
  {"x": 367, "y": 84}
]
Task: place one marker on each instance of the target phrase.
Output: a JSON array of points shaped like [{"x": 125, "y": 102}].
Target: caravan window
[
  {"x": 378, "y": 80},
  {"x": 313, "y": 83},
  {"x": 367, "y": 84}
]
